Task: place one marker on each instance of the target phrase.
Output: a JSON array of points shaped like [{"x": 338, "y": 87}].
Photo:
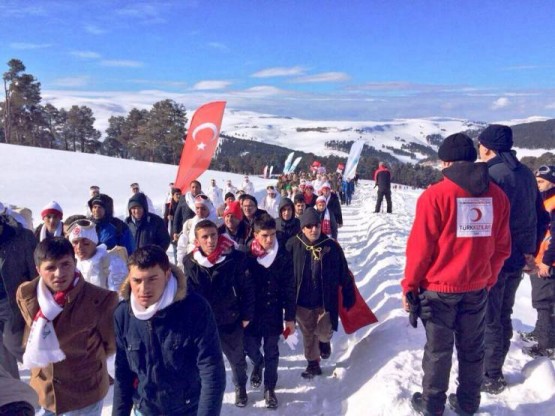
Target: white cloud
[
  {"x": 279, "y": 72},
  {"x": 211, "y": 85},
  {"x": 323, "y": 77},
  {"x": 95, "y": 30},
  {"x": 72, "y": 82},
  {"x": 121, "y": 63},
  {"x": 29, "y": 46},
  {"x": 219, "y": 46},
  {"x": 501, "y": 102},
  {"x": 145, "y": 12},
  {"x": 86, "y": 54}
]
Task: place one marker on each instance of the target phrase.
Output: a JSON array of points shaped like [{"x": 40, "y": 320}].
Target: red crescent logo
[{"x": 478, "y": 215}]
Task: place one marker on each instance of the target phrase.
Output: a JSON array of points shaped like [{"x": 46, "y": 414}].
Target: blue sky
[{"x": 360, "y": 60}]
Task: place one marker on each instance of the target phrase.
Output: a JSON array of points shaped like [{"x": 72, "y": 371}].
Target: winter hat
[
  {"x": 285, "y": 202},
  {"x": 77, "y": 231},
  {"x": 321, "y": 198},
  {"x": 457, "y": 147},
  {"x": 310, "y": 216},
  {"x": 497, "y": 137},
  {"x": 137, "y": 200},
  {"x": 234, "y": 208},
  {"x": 202, "y": 199},
  {"x": 52, "y": 208},
  {"x": 546, "y": 172},
  {"x": 98, "y": 201},
  {"x": 325, "y": 185}
]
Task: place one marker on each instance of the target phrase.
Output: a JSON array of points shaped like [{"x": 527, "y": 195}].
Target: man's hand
[
  {"x": 290, "y": 325},
  {"x": 175, "y": 237},
  {"x": 406, "y": 306},
  {"x": 246, "y": 323},
  {"x": 543, "y": 270}
]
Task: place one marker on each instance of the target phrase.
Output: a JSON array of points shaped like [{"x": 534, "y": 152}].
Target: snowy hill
[{"x": 372, "y": 372}]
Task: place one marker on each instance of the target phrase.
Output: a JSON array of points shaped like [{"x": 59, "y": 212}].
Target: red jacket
[{"x": 440, "y": 260}]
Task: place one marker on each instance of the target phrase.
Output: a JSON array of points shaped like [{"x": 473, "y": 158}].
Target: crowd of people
[{"x": 244, "y": 273}]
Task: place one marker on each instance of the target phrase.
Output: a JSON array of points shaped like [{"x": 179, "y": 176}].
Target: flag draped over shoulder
[{"x": 201, "y": 143}]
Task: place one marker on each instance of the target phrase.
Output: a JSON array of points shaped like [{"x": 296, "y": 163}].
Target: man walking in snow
[
  {"x": 185, "y": 208},
  {"x": 519, "y": 184},
  {"x": 457, "y": 245},
  {"x": 382, "y": 178}
]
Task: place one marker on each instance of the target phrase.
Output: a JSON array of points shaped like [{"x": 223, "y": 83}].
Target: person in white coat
[
  {"x": 271, "y": 201},
  {"x": 230, "y": 188},
  {"x": 103, "y": 268},
  {"x": 215, "y": 193},
  {"x": 247, "y": 186}
]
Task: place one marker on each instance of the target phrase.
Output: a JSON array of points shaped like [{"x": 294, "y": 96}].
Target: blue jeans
[{"x": 94, "y": 409}]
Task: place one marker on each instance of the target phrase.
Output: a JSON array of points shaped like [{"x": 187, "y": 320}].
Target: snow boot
[
  {"x": 256, "y": 376},
  {"x": 493, "y": 385},
  {"x": 454, "y": 404},
  {"x": 418, "y": 404},
  {"x": 270, "y": 399},
  {"x": 535, "y": 351},
  {"x": 241, "y": 397},
  {"x": 313, "y": 369},
  {"x": 325, "y": 350}
]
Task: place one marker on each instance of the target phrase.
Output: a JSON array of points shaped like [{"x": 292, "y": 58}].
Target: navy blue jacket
[
  {"x": 150, "y": 229},
  {"x": 519, "y": 184},
  {"x": 171, "y": 364}
]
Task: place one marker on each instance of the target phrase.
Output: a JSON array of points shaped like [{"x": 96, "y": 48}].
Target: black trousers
[
  {"x": 270, "y": 359},
  {"x": 387, "y": 195},
  {"x": 459, "y": 319},
  {"x": 543, "y": 300},
  {"x": 231, "y": 338},
  {"x": 499, "y": 327}
]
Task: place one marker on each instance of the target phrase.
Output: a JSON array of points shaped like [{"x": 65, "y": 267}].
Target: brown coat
[{"x": 85, "y": 330}]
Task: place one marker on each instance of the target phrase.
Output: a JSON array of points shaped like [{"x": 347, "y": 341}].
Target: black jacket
[
  {"x": 150, "y": 229},
  {"x": 334, "y": 271},
  {"x": 226, "y": 286},
  {"x": 335, "y": 207},
  {"x": 289, "y": 228},
  {"x": 274, "y": 293},
  {"x": 172, "y": 363},
  {"x": 17, "y": 245},
  {"x": 519, "y": 184},
  {"x": 182, "y": 214}
]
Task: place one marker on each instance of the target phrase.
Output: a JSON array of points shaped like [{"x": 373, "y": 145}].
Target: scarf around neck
[
  {"x": 263, "y": 257},
  {"x": 225, "y": 243},
  {"x": 165, "y": 300},
  {"x": 58, "y": 232},
  {"x": 43, "y": 346}
]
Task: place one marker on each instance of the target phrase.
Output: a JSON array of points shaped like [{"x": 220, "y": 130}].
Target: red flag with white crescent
[{"x": 200, "y": 144}]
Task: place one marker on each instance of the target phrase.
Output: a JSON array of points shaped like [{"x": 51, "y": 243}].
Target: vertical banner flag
[
  {"x": 288, "y": 161},
  {"x": 352, "y": 161},
  {"x": 295, "y": 164},
  {"x": 201, "y": 143}
]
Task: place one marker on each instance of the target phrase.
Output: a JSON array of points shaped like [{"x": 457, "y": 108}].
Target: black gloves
[{"x": 419, "y": 307}]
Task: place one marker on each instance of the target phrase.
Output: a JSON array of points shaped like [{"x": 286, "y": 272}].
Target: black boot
[
  {"x": 313, "y": 369},
  {"x": 241, "y": 398},
  {"x": 270, "y": 398},
  {"x": 325, "y": 350},
  {"x": 256, "y": 376},
  {"x": 454, "y": 404},
  {"x": 493, "y": 385},
  {"x": 418, "y": 404}
]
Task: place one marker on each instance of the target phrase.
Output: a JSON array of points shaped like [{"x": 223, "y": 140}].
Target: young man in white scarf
[
  {"x": 270, "y": 267},
  {"x": 218, "y": 272},
  {"x": 169, "y": 360},
  {"x": 70, "y": 333}
]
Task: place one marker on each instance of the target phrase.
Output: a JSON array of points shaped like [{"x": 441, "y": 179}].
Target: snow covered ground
[{"x": 371, "y": 372}]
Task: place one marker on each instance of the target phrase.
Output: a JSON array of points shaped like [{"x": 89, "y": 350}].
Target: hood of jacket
[
  {"x": 472, "y": 177},
  {"x": 108, "y": 204},
  {"x": 125, "y": 290},
  {"x": 8, "y": 227},
  {"x": 139, "y": 198}
]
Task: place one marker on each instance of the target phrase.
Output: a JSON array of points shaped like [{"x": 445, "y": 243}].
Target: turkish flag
[{"x": 200, "y": 144}]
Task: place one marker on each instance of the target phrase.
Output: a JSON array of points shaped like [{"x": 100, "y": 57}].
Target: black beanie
[
  {"x": 457, "y": 147},
  {"x": 546, "y": 172},
  {"x": 309, "y": 217},
  {"x": 497, "y": 137}
]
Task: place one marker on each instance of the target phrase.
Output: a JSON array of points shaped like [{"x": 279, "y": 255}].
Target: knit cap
[
  {"x": 78, "y": 231},
  {"x": 310, "y": 216},
  {"x": 546, "y": 172},
  {"x": 457, "y": 147},
  {"x": 234, "y": 208},
  {"x": 52, "y": 208},
  {"x": 497, "y": 137}
]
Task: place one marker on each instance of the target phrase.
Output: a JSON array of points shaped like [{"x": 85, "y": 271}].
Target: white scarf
[
  {"x": 43, "y": 346},
  {"x": 190, "y": 200},
  {"x": 165, "y": 300},
  {"x": 203, "y": 260},
  {"x": 58, "y": 232},
  {"x": 269, "y": 257}
]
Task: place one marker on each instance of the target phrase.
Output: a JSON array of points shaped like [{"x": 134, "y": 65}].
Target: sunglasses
[
  {"x": 201, "y": 197},
  {"x": 311, "y": 226},
  {"x": 543, "y": 170}
]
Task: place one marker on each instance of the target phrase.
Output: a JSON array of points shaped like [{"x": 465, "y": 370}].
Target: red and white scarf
[
  {"x": 225, "y": 243},
  {"x": 43, "y": 346},
  {"x": 264, "y": 257},
  {"x": 326, "y": 223}
]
